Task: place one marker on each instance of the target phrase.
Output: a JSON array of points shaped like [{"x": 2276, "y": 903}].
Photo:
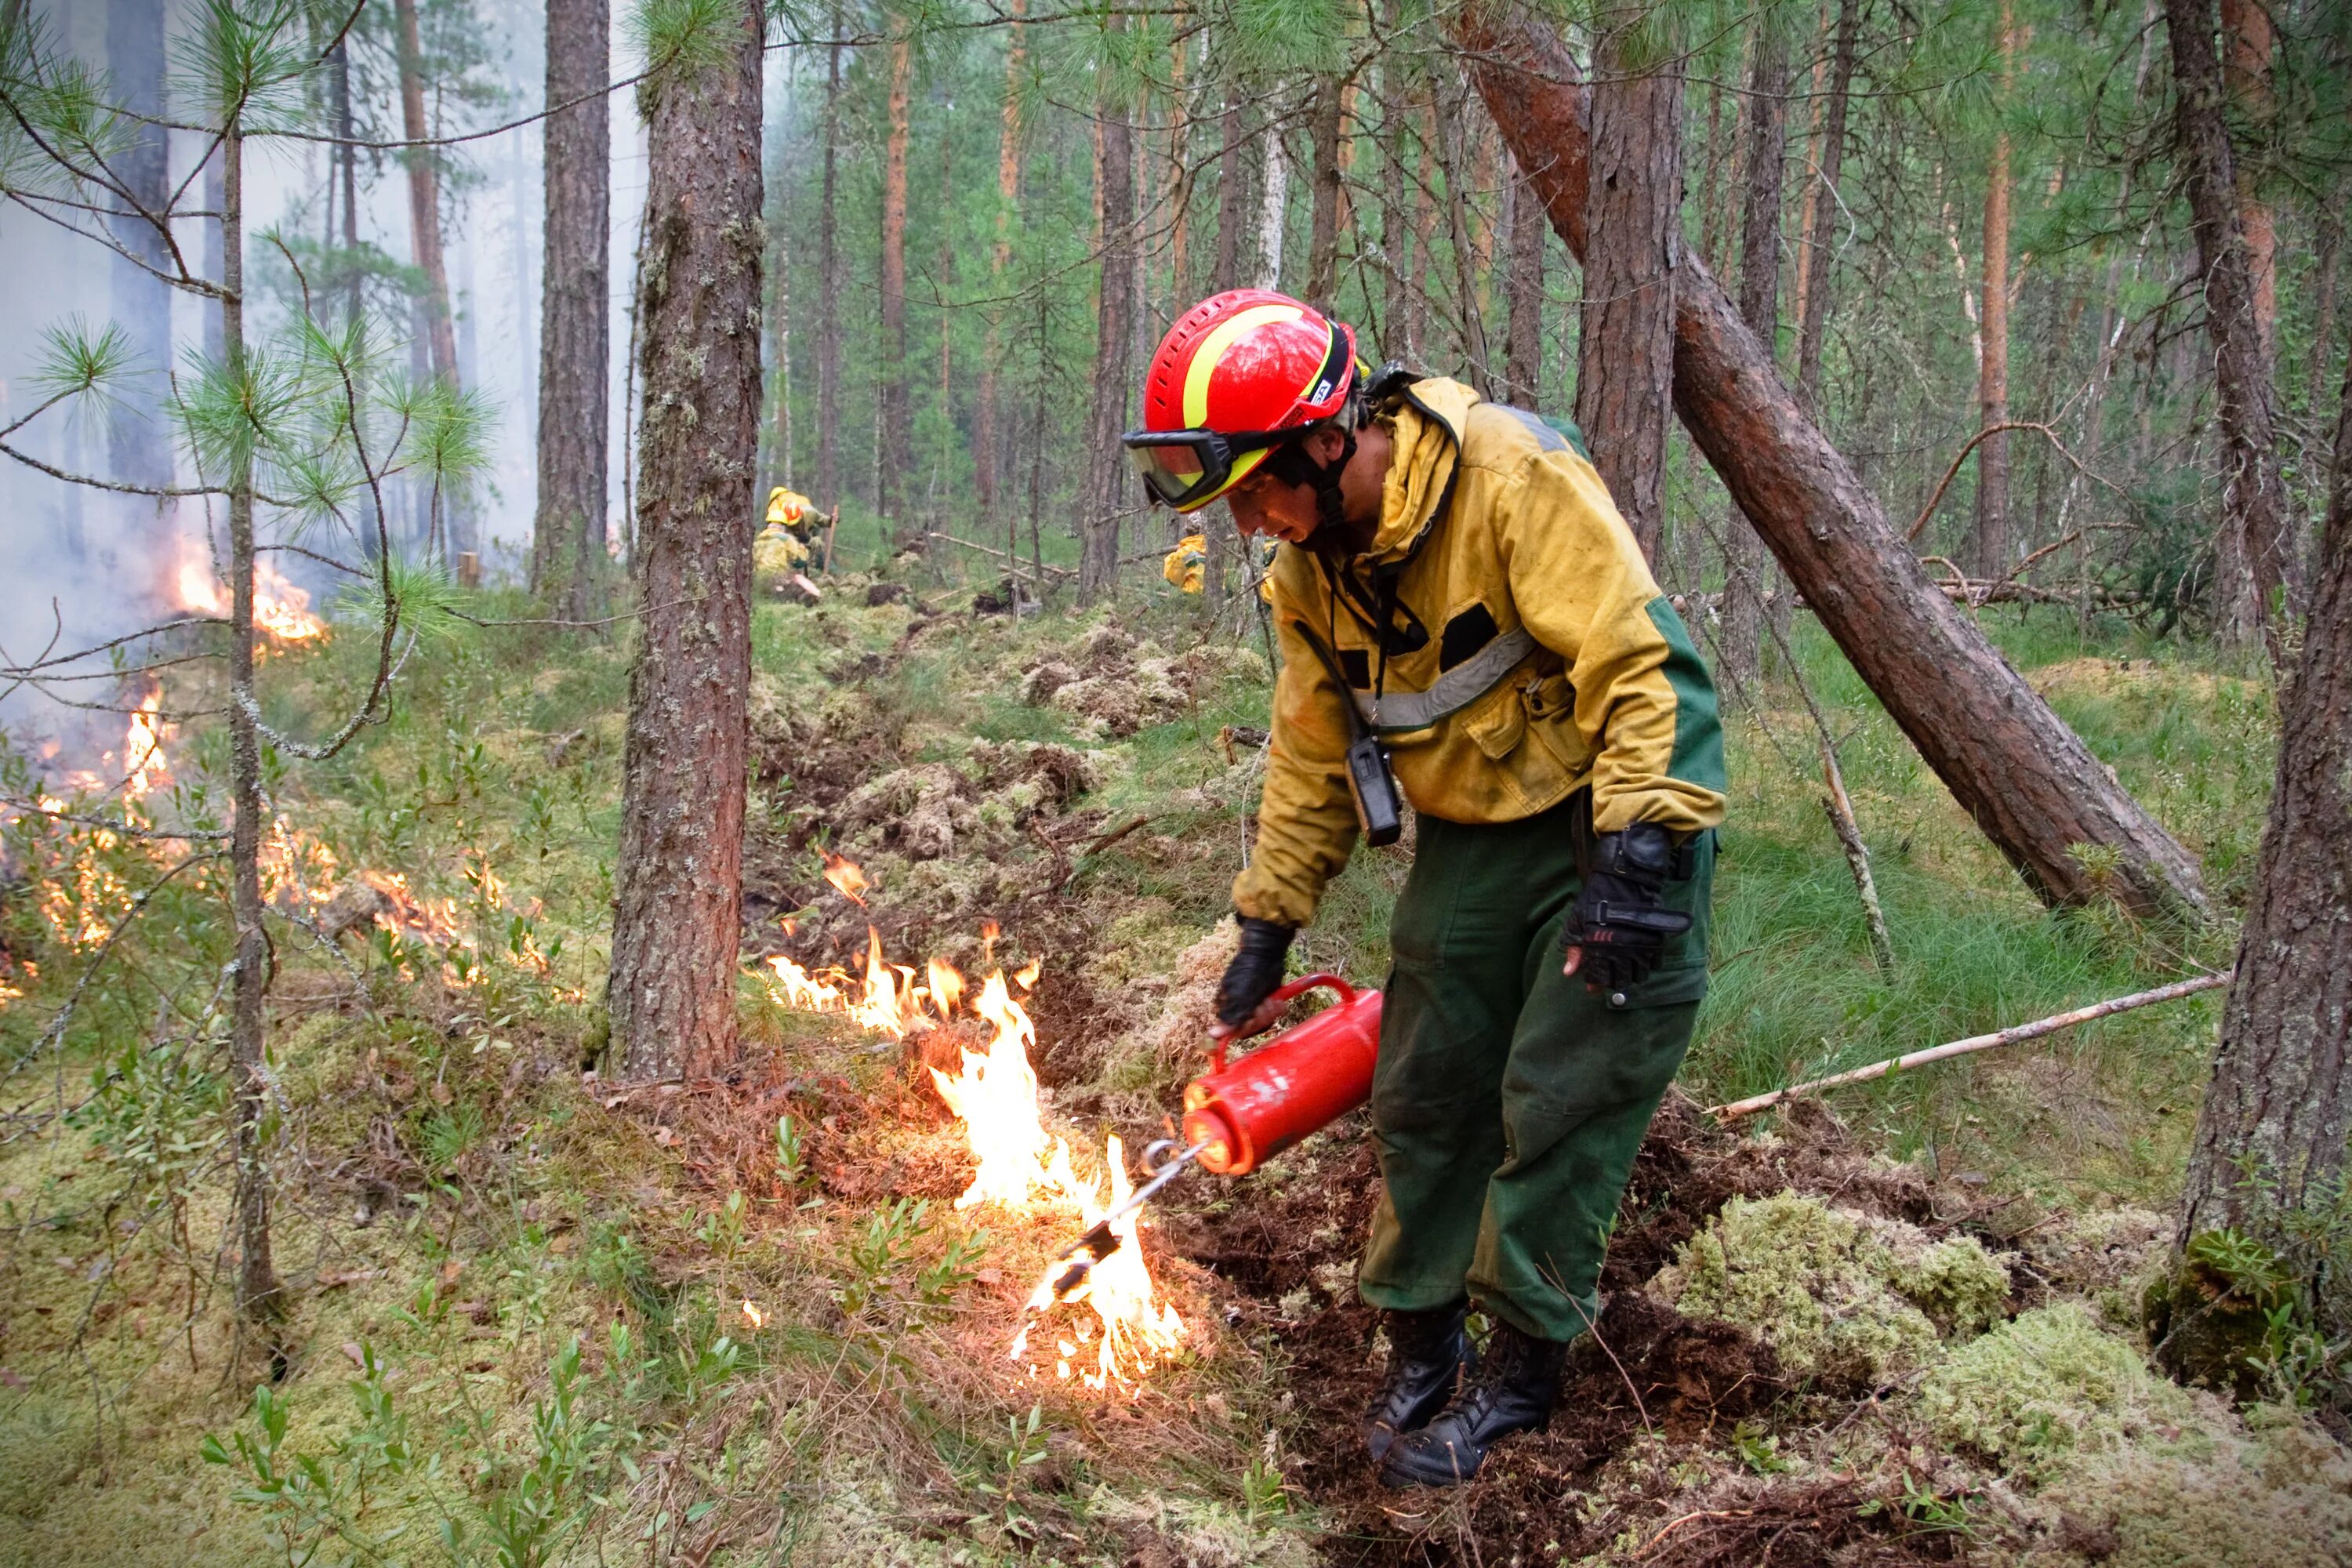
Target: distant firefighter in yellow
[
  {"x": 782, "y": 555},
  {"x": 1187, "y": 565}
]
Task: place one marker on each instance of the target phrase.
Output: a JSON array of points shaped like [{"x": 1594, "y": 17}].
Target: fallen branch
[
  {"x": 1018, "y": 567},
  {"x": 1974, "y": 1043}
]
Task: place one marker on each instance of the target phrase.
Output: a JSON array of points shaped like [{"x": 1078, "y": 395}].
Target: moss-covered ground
[{"x": 531, "y": 1319}]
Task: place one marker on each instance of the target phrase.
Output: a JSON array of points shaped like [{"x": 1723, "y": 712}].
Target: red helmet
[{"x": 1238, "y": 375}]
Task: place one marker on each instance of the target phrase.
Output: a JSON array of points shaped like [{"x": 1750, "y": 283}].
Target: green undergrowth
[{"x": 516, "y": 1315}]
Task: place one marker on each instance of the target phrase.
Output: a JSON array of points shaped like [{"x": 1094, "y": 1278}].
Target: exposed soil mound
[{"x": 1287, "y": 1239}]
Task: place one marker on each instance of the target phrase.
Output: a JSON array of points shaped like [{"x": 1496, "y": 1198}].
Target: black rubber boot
[
  {"x": 1513, "y": 1390},
  {"x": 1426, "y": 1351}
]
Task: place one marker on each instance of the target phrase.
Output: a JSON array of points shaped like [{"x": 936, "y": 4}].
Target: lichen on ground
[{"x": 1835, "y": 1293}]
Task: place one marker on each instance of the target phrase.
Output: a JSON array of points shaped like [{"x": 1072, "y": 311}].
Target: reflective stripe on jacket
[{"x": 1531, "y": 654}]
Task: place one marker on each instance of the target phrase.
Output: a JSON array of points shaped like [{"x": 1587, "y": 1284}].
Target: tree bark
[
  {"x": 567, "y": 550},
  {"x": 2330, "y": 243},
  {"x": 347, "y": 164},
  {"x": 678, "y": 909},
  {"x": 1765, "y": 119},
  {"x": 258, "y": 1301},
  {"x": 139, "y": 437},
  {"x": 1232, "y": 198},
  {"x": 1813, "y": 314},
  {"x": 896, "y": 434},
  {"x": 1008, "y": 201},
  {"x": 1396, "y": 231},
  {"x": 2028, "y": 781},
  {"x": 1115, "y": 331},
  {"x": 425, "y": 199},
  {"x": 828, "y": 292},
  {"x": 1523, "y": 293},
  {"x": 1633, "y": 212},
  {"x": 1323, "y": 228},
  {"x": 1988, "y": 552},
  {"x": 2246, "y": 74},
  {"x": 1273, "y": 202},
  {"x": 2251, "y": 566},
  {"x": 2282, "y": 1091}
]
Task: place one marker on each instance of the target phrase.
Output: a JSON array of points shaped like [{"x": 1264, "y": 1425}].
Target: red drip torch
[
  {"x": 1243, "y": 1114},
  {"x": 1238, "y": 1115}
]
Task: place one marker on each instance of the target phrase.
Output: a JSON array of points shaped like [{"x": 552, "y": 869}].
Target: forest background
[{"x": 1970, "y": 238}]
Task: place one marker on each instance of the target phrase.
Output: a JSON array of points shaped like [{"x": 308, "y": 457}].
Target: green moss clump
[
  {"x": 2050, "y": 1384},
  {"x": 1963, "y": 1288},
  {"x": 2284, "y": 1497},
  {"x": 1834, "y": 1293}
]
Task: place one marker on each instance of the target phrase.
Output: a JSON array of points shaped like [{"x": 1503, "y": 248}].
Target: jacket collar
[{"x": 1426, "y": 433}]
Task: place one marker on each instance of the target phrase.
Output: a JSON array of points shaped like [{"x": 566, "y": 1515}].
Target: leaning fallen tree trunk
[{"x": 2032, "y": 787}]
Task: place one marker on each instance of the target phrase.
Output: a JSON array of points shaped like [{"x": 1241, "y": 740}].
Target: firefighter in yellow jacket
[{"x": 1462, "y": 614}]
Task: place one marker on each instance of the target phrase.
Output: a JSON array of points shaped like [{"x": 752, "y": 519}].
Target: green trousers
[{"x": 1509, "y": 1101}]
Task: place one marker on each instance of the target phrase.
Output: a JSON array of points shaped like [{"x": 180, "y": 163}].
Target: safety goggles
[{"x": 1186, "y": 469}]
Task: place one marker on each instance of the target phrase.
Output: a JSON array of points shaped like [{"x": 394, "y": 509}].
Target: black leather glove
[
  {"x": 1256, "y": 970},
  {"x": 1617, "y": 918}
]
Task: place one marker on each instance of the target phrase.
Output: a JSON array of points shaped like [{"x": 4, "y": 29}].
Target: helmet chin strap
[{"x": 1292, "y": 466}]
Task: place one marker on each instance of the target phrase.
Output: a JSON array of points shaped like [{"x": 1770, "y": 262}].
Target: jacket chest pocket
[
  {"x": 1548, "y": 703},
  {"x": 1497, "y": 722}
]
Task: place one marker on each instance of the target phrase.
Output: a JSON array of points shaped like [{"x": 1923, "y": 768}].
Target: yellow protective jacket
[{"x": 1531, "y": 654}]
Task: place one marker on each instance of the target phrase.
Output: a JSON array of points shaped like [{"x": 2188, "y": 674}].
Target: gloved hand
[
  {"x": 1617, "y": 928},
  {"x": 1256, "y": 970}
]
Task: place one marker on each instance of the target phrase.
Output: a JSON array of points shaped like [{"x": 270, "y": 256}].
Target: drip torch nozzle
[
  {"x": 1162, "y": 1164},
  {"x": 1098, "y": 1244}
]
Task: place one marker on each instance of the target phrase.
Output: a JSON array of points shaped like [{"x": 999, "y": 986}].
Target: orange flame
[
  {"x": 143, "y": 749},
  {"x": 847, "y": 877},
  {"x": 279, "y": 608},
  {"x": 1020, "y": 1164}
]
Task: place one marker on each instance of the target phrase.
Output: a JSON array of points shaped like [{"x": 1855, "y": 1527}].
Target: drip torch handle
[{"x": 1284, "y": 993}]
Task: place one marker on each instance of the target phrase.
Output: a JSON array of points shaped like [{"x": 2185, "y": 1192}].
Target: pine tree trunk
[
  {"x": 828, "y": 292},
  {"x": 1813, "y": 316},
  {"x": 1766, "y": 142},
  {"x": 1523, "y": 291},
  {"x": 1274, "y": 203},
  {"x": 425, "y": 200},
  {"x": 1008, "y": 200},
  {"x": 1989, "y": 551},
  {"x": 1114, "y": 330},
  {"x": 2330, "y": 243},
  {"x": 2281, "y": 1097},
  {"x": 1323, "y": 229},
  {"x": 258, "y": 1301},
  {"x": 678, "y": 905},
  {"x": 1396, "y": 231},
  {"x": 2246, "y": 76},
  {"x": 1633, "y": 207},
  {"x": 2028, "y": 781},
  {"x": 1179, "y": 181},
  {"x": 1233, "y": 197},
  {"x": 347, "y": 165},
  {"x": 567, "y": 552},
  {"x": 139, "y": 446},
  {"x": 896, "y": 434},
  {"x": 2251, "y": 561}
]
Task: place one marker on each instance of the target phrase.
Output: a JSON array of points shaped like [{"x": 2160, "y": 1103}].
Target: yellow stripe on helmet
[{"x": 1212, "y": 349}]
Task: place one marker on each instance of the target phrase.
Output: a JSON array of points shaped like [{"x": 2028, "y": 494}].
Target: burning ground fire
[
  {"x": 86, "y": 894},
  {"x": 1022, "y": 1166},
  {"x": 279, "y": 608}
]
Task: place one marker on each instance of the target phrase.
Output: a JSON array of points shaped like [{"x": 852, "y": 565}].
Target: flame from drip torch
[{"x": 1020, "y": 1164}]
